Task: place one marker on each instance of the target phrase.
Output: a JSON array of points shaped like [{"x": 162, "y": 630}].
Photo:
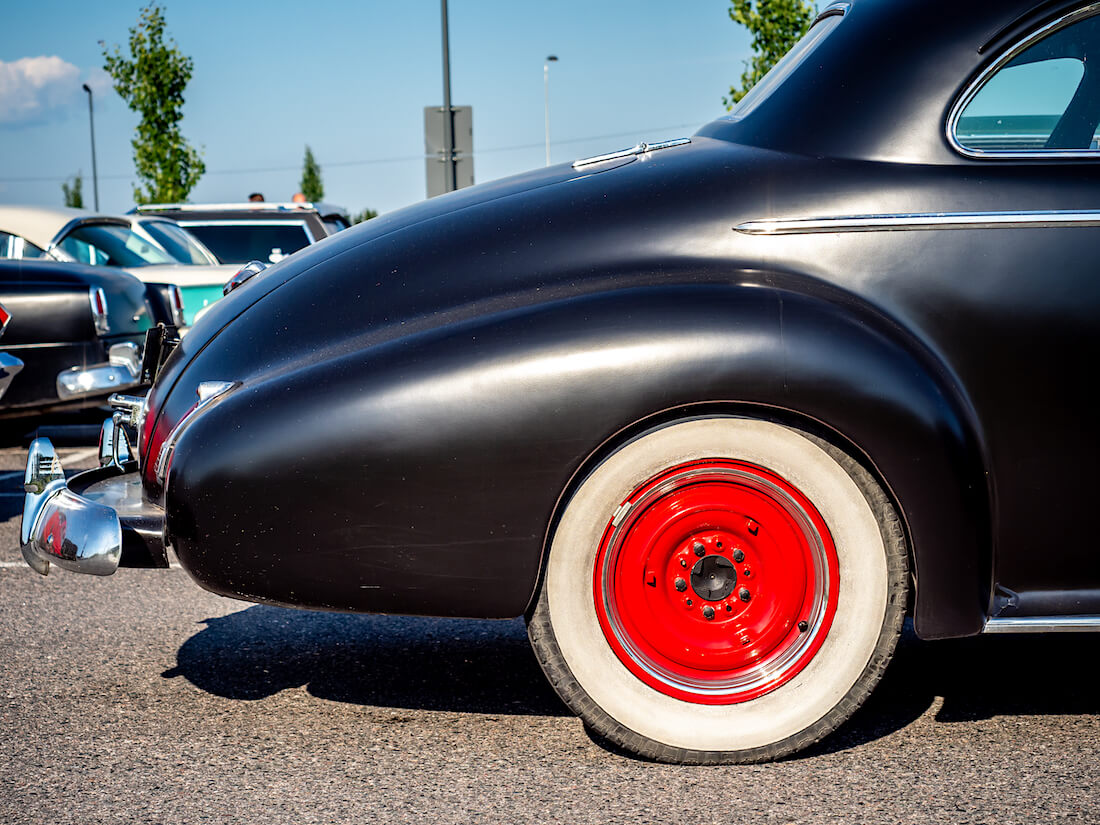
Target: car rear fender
[{"x": 423, "y": 474}]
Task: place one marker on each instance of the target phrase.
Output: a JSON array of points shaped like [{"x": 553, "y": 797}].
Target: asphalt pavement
[{"x": 141, "y": 698}]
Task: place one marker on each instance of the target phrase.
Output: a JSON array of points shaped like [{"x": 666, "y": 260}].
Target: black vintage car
[
  {"x": 713, "y": 414},
  {"x": 78, "y": 332}
]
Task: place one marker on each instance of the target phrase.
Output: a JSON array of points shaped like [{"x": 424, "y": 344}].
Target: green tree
[
  {"x": 775, "y": 26},
  {"x": 311, "y": 185},
  {"x": 365, "y": 215},
  {"x": 74, "y": 195},
  {"x": 151, "y": 80}
]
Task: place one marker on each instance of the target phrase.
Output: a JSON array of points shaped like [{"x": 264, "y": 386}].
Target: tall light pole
[
  {"x": 448, "y": 112},
  {"x": 91, "y": 122},
  {"x": 553, "y": 58}
]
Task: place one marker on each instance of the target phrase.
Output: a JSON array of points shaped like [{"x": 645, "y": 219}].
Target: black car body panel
[{"x": 418, "y": 394}]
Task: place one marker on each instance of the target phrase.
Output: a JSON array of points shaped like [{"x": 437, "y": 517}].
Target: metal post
[
  {"x": 546, "y": 98},
  {"x": 91, "y": 122},
  {"x": 448, "y": 112}
]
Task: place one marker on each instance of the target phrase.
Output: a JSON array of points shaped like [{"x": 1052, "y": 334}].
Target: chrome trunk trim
[{"x": 639, "y": 149}]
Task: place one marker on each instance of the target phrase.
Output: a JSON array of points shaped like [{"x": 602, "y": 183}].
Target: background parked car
[
  {"x": 79, "y": 331},
  {"x": 255, "y": 231},
  {"x": 155, "y": 250},
  {"x": 10, "y": 365}
]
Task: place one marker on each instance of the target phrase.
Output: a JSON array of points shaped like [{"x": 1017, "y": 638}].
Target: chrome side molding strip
[
  {"x": 1043, "y": 624},
  {"x": 639, "y": 149},
  {"x": 921, "y": 220}
]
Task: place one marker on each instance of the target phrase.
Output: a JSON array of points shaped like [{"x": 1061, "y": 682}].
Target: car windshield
[
  {"x": 109, "y": 244},
  {"x": 239, "y": 242},
  {"x": 178, "y": 243}
]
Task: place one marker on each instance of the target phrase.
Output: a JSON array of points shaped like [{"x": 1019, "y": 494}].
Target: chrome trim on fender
[
  {"x": 921, "y": 220},
  {"x": 639, "y": 149},
  {"x": 1043, "y": 624},
  {"x": 208, "y": 392},
  {"x": 243, "y": 274},
  {"x": 975, "y": 86},
  {"x": 837, "y": 9}
]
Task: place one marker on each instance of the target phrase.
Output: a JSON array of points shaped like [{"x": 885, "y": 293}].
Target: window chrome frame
[{"x": 975, "y": 86}]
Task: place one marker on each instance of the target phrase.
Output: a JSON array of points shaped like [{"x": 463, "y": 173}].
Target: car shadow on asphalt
[
  {"x": 460, "y": 665},
  {"x": 976, "y": 678},
  {"x": 482, "y": 666}
]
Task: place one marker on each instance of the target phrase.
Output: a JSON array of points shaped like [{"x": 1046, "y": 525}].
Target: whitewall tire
[{"x": 721, "y": 589}]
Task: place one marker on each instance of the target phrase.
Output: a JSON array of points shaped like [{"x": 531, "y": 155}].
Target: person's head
[
  {"x": 299, "y": 198},
  {"x": 256, "y": 196}
]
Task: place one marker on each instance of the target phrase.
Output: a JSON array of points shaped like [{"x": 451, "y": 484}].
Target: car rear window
[{"x": 239, "y": 242}]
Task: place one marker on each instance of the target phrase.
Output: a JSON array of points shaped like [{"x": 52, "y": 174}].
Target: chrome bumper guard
[
  {"x": 122, "y": 370},
  {"x": 93, "y": 523}
]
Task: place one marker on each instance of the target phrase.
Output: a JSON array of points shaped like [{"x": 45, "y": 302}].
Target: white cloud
[{"x": 32, "y": 88}]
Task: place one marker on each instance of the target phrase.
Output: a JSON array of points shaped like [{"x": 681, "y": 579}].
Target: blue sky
[{"x": 351, "y": 80}]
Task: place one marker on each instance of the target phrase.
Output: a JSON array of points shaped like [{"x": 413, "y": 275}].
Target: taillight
[
  {"x": 98, "y": 299},
  {"x": 5, "y": 316},
  {"x": 177, "y": 306},
  {"x": 208, "y": 392}
]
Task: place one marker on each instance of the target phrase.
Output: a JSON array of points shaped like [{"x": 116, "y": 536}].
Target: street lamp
[
  {"x": 553, "y": 58},
  {"x": 91, "y": 122}
]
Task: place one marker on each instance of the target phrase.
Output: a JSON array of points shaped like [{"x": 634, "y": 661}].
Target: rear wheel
[{"x": 721, "y": 590}]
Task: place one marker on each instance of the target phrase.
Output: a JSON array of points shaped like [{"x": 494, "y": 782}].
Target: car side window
[
  {"x": 83, "y": 252},
  {"x": 1041, "y": 97},
  {"x": 15, "y": 247}
]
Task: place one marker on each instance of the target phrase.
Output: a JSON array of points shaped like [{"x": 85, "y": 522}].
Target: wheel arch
[{"x": 938, "y": 484}]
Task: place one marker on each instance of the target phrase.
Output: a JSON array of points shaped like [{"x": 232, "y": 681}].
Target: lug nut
[
  {"x": 680, "y": 584},
  {"x": 708, "y": 612},
  {"x": 744, "y": 595},
  {"x": 803, "y": 626},
  {"x": 698, "y": 548},
  {"x": 738, "y": 556}
]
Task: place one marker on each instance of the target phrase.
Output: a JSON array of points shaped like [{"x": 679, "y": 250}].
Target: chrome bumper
[
  {"x": 91, "y": 523},
  {"x": 122, "y": 370}
]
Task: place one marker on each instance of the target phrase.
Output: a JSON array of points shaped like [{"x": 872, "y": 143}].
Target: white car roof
[{"x": 40, "y": 224}]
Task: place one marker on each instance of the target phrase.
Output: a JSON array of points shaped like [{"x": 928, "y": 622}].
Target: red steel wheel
[
  {"x": 716, "y": 581},
  {"x": 720, "y": 589}
]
